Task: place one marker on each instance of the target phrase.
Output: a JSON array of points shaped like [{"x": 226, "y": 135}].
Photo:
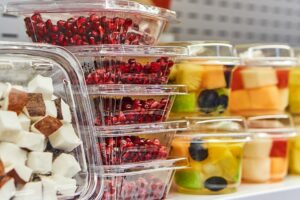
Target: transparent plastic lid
[
  {"x": 267, "y": 54},
  {"x": 71, "y": 6},
  {"x": 137, "y": 129},
  {"x": 144, "y": 167},
  {"x": 271, "y": 126},
  {"x": 128, "y": 50},
  {"x": 23, "y": 63},
  {"x": 137, "y": 90},
  {"x": 209, "y": 52},
  {"x": 216, "y": 129}
]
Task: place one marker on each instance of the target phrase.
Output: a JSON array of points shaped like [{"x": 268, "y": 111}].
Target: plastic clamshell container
[
  {"x": 127, "y": 64},
  {"x": 137, "y": 143},
  {"x": 132, "y": 104},
  {"x": 266, "y": 156},
  {"x": 147, "y": 180},
  {"x": 261, "y": 84},
  {"x": 80, "y": 22},
  {"x": 214, "y": 148},
  {"x": 20, "y": 64},
  {"x": 207, "y": 74}
]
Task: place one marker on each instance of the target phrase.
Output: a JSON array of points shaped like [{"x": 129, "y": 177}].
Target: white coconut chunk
[
  {"x": 40, "y": 162},
  {"x": 30, "y": 191},
  {"x": 32, "y": 141},
  {"x": 7, "y": 188},
  {"x": 46, "y": 126},
  {"x": 65, "y": 186},
  {"x": 12, "y": 154},
  {"x": 41, "y": 84},
  {"x": 4, "y": 91},
  {"x": 65, "y": 138},
  {"x": 24, "y": 121},
  {"x": 63, "y": 110},
  {"x": 65, "y": 165},
  {"x": 51, "y": 108},
  {"x": 20, "y": 173},
  {"x": 49, "y": 188},
  {"x": 10, "y": 127}
]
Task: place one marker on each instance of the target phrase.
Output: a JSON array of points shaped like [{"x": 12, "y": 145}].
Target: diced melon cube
[
  {"x": 258, "y": 148},
  {"x": 213, "y": 77},
  {"x": 180, "y": 147},
  {"x": 211, "y": 169},
  {"x": 190, "y": 75},
  {"x": 279, "y": 168},
  {"x": 256, "y": 169},
  {"x": 283, "y": 98},
  {"x": 255, "y": 77},
  {"x": 185, "y": 103},
  {"x": 266, "y": 98},
  {"x": 231, "y": 166},
  {"x": 217, "y": 151},
  {"x": 239, "y": 100}
]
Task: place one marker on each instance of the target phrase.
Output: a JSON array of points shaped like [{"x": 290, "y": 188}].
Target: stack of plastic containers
[{"x": 125, "y": 80}]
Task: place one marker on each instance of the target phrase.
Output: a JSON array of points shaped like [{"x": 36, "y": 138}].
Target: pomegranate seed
[
  {"x": 80, "y": 21},
  {"x": 36, "y": 17},
  {"x": 94, "y": 18}
]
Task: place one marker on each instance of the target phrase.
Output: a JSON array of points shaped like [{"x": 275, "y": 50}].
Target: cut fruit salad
[{"x": 36, "y": 138}]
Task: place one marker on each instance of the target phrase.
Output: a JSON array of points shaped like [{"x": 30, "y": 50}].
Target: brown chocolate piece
[
  {"x": 17, "y": 100},
  {"x": 2, "y": 172},
  {"x": 58, "y": 108},
  {"x": 4, "y": 180},
  {"x": 36, "y": 106},
  {"x": 12, "y": 173},
  {"x": 48, "y": 125}
]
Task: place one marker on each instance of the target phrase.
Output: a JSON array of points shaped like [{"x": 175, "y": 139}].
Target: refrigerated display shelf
[{"x": 289, "y": 189}]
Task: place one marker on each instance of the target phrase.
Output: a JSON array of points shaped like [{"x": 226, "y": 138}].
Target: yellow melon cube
[
  {"x": 255, "y": 77},
  {"x": 239, "y": 100},
  {"x": 213, "y": 77},
  {"x": 279, "y": 168},
  {"x": 190, "y": 75},
  {"x": 180, "y": 147},
  {"x": 283, "y": 98},
  {"x": 265, "y": 98}
]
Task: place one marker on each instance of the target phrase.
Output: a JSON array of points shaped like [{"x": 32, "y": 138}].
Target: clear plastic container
[
  {"x": 137, "y": 143},
  {"x": 80, "y": 22},
  {"x": 132, "y": 104},
  {"x": 260, "y": 85},
  {"x": 148, "y": 180},
  {"x": 266, "y": 156},
  {"x": 39, "y": 82},
  {"x": 214, "y": 148},
  {"x": 120, "y": 64},
  {"x": 207, "y": 74}
]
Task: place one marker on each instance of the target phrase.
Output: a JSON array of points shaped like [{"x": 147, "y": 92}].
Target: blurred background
[{"x": 238, "y": 21}]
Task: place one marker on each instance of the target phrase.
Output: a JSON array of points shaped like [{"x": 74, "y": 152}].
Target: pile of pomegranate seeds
[
  {"x": 90, "y": 30},
  {"x": 134, "y": 188},
  {"x": 131, "y": 149},
  {"x": 130, "y": 72},
  {"x": 116, "y": 111}
]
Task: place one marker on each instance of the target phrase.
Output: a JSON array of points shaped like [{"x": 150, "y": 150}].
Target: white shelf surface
[{"x": 287, "y": 190}]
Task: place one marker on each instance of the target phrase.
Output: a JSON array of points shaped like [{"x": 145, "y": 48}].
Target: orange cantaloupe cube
[
  {"x": 265, "y": 98},
  {"x": 279, "y": 168},
  {"x": 239, "y": 100},
  {"x": 213, "y": 77}
]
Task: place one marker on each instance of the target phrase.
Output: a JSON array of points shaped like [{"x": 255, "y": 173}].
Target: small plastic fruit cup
[
  {"x": 119, "y": 64},
  {"x": 147, "y": 180},
  {"x": 261, "y": 84},
  {"x": 266, "y": 156},
  {"x": 214, "y": 148},
  {"x": 132, "y": 104},
  {"x": 207, "y": 73},
  {"x": 80, "y": 22},
  {"x": 137, "y": 143}
]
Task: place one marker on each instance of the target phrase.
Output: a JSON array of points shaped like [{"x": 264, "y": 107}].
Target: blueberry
[
  {"x": 208, "y": 101},
  {"x": 215, "y": 183},
  {"x": 197, "y": 151},
  {"x": 223, "y": 101}
]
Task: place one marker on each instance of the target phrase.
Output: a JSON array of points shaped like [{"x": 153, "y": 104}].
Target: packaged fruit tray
[
  {"x": 42, "y": 142},
  {"x": 80, "y": 22},
  {"x": 137, "y": 143},
  {"x": 132, "y": 104},
  {"x": 214, "y": 148},
  {"x": 266, "y": 156},
  {"x": 261, "y": 84},
  {"x": 121, "y": 64},
  {"x": 207, "y": 74},
  {"x": 147, "y": 180}
]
